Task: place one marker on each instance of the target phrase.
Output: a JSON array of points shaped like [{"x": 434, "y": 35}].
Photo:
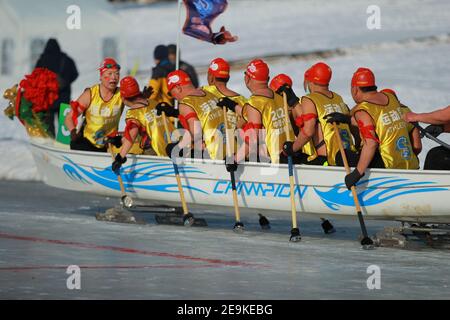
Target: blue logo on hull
[
  {"x": 259, "y": 189},
  {"x": 387, "y": 188},
  {"x": 137, "y": 178}
]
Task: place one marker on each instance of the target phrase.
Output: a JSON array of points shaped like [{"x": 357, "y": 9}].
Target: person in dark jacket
[
  {"x": 158, "y": 83},
  {"x": 66, "y": 71},
  {"x": 186, "y": 67}
]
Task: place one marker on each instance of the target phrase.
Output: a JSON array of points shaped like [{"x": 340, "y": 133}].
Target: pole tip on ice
[
  {"x": 295, "y": 235},
  {"x": 264, "y": 222},
  {"x": 188, "y": 220},
  {"x": 238, "y": 227},
  {"x": 367, "y": 243},
  {"x": 327, "y": 227},
  {"x": 126, "y": 201}
]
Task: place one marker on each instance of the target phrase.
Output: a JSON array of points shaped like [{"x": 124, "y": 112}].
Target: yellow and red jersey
[
  {"x": 273, "y": 121},
  {"x": 393, "y": 133},
  {"x": 231, "y": 116},
  {"x": 153, "y": 124},
  {"x": 212, "y": 122},
  {"x": 324, "y": 106},
  {"x": 102, "y": 117}
]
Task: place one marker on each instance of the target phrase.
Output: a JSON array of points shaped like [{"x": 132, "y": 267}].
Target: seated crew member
[
  {"x": 264, "y": 109},
  {"x": 438, "y": 158},
  {"x": 141, "y": 118},
  {"x": 102, "y": 107},
  {"x": 413, "y": 131},
  {"x": 314, "y": 116},
  {"x": 283, "y": 82},
  {"x": 384, "y": 132},
  {"x": 199, "y": 114},
  {"x": 218, "y": 77}
]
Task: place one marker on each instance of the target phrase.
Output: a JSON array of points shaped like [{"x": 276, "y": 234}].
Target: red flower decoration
[{"x": 40, "y": 88}]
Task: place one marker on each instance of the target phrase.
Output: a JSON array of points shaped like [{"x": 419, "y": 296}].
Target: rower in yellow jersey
[
  {"x": 379, "y": 118},
  {"x": 200, "y": 115},
  {"x": 218, "y": 77},
  {"x": 264, "y": 109},
  {"x": 141, "y": 118},
  {"x": 102, "y": 106},
  {"x": 413, "y": 131},
  {"x": 315, "y": 115}
]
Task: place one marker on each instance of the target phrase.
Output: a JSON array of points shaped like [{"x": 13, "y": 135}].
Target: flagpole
[{"x": 177, "y": 63}]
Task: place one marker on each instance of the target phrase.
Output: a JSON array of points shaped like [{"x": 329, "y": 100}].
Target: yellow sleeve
[
  {"x": 156, "y": 85},
  {"x": 239, "y": 100}
]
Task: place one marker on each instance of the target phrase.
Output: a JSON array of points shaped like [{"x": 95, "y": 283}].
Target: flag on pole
[{"x": 199, "y": 16}]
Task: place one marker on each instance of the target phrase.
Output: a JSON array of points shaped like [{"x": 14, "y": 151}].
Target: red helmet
[
  {"x": 219, "y": 68},
  {"x": 320, "y": 73},
  {"x": 177, "y": 78},
  {"x": 258, "y": 70},
  {"x": 280, "y": 80},
  {"x": 363, "y": 77},
  {"x": 387, "y": 90},
  {"x": 129, "y": 87},
  {"x": 108, "y": 63}
]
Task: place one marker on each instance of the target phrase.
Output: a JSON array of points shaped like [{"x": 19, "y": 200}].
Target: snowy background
[{"x": 410, "y": 53}]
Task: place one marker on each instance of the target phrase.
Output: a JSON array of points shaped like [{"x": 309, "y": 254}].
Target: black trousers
[
  {"x": 84, "y": 144},
  {"x": 437, "y": 159},
  {"x": 302, "y": 158},
  {"x": 353, "y": 158}
]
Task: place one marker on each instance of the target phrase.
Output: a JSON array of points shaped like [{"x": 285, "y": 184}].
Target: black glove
[
  {"x": 170, "y": 147},
  {"x": 115, "y": 141},
  {"x": 147, "y": 92},
  {"x": 167, "y": 109},
  {"x": 74, "y": 135},
  {"x": 434, "y": 130},
  {"x": 338, "y": 118},
  {"x": 231, "y": 165},
  {"x": 288, "y": 148},
  {"x": 352, "y": 178},
  {"x": 228, "y": 103},
  {"x": 292, "y": 99},
  {"x": 118, "y": 163}
]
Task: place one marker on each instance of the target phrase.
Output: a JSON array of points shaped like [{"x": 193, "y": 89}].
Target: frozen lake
[{"x": 44, "y": 230}]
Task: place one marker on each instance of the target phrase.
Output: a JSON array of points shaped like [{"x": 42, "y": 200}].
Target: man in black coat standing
[
  {"x": 186, "y": 67},
  {"x": 60, "y": 63}
]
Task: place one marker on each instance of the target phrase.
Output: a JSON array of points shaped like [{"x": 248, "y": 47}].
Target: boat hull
[{"x": 404, "y": 195}]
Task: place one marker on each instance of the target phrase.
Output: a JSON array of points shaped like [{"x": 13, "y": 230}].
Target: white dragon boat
[{"x": 402, "y": 195}]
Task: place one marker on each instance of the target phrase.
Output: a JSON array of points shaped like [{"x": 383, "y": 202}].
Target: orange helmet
[
  {"x": 108, "y": 63},
  {"x": 219, "y": 68},
  {"x": 177, "y": 78},
  {"x": 320, "y": 73},
  {"x": 258, "y": 70},
  {"x": 363, "y": 77},
  {"x": 279, "y": 81},
  {"x": 129, "y": 87}
]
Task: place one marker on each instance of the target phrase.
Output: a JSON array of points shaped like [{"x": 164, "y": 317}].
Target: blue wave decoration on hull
[
  {"x": 73, "y": 174},
  {"x": 137, "y": 175},
  {"x": 339, "y": 196}
]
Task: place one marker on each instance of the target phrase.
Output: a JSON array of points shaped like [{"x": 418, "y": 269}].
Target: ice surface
[{"x": 118, "y": 261}]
